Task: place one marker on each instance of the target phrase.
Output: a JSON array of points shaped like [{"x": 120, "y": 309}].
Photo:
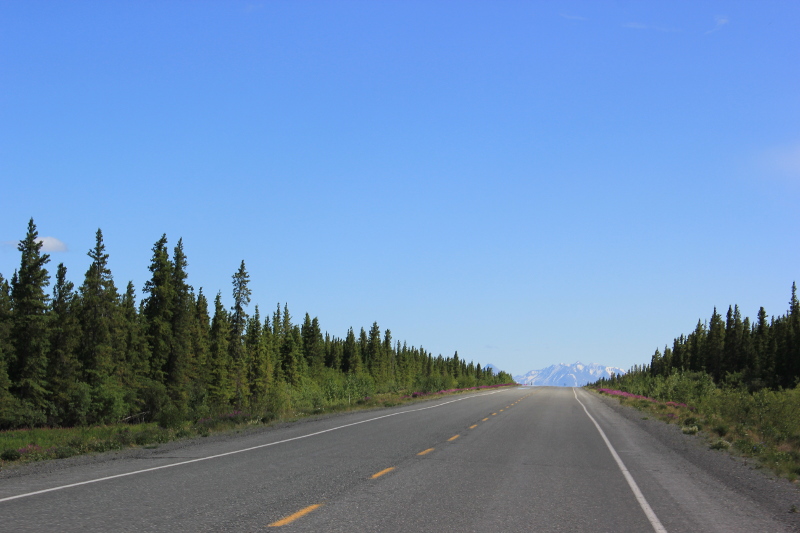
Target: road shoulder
[{"x": 774, "y": 495}]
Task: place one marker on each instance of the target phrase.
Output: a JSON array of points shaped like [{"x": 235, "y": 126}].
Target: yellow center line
[
  {"x": 485, "y": 419},
  {"x": 292, "y": 517},
  {"x": 454, "y": 437},
  {"x": 501, "y": 410},
  {"x": 382, "y": 472},
  {"x": 424, "y": 452},
  {"x": 493, "y": 414},
  {"x": 473, "y": 426}
]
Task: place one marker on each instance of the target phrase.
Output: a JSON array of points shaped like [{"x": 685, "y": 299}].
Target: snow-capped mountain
[
  {"x": 574, "y": 375},
  {"x": 495, "y": 370}
]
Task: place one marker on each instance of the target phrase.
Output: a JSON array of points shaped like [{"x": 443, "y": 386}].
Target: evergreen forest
[
  {"x": 73, "y": 356},
  {"x": 735, "y": 352}
]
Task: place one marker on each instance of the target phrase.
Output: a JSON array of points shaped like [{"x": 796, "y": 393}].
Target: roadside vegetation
[
  {"x": 731, "y": 382},
  {"x": 37, "y": 444},
  {"x": 86, "y": 368}
]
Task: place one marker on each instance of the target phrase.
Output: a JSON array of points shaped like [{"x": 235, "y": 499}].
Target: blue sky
[{"x": 524, "y": 182}]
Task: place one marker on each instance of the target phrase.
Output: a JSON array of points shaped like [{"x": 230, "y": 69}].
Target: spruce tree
[
  {"x": 238, "y": 314},
  {"x": 793, "y": 344},
  {"x": 30, "y": 328},
  {"x": 98, "y": 309},
  {"x": 180, "y": 361},
  {"x": 219, "y": 388},
  {"x": 764, "y": 363},
  {"x": 277, "y": 323},
  {"x": 313, "y": 348},
  {"x": 388, "y": 360},
  {"x": 64, "y": 369},
  {"x": 333, "y": 352},
  {"x": 286, "y": 322},
  {"x": 733, "y": 360},
  {"x": 292, "y": 361},
  {"x": 101, "y": 348},
  {"x": 363, "y": 349},
  {"x": 238, "y": 322},
  {"x": 374, "y": 353},
  {"x": 157, "y": 309},
  {"x": 7, "y": 401},
  {"x": 351, "y": 356},
  {"x": 199, "y": 372},
  {"x": 260, "y": 371},
  {"x": 715, "y": 346},
  {"x": 697, "y": 350}
]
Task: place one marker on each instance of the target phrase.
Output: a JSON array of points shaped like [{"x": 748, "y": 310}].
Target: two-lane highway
[{"x": 514, "y": 459}]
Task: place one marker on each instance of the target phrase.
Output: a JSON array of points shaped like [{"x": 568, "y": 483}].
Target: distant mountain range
[{"x": 562, "y": 375}]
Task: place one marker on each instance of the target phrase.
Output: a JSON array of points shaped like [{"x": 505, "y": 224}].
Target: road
[{"x": 522, "y": 459}]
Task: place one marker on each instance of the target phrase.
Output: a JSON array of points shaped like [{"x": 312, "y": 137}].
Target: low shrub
[
  {"x": 62, "y": 452},
  {"x": 721, "y": 430},
  {"x": 10, "y": 455}
]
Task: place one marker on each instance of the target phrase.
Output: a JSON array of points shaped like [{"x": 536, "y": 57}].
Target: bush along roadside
[
  {"x": 37, "y": 444},
  {"x": 763, "y": 425}
]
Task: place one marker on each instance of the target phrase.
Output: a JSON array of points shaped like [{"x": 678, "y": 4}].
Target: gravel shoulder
[{"x": 742, "y": 475}]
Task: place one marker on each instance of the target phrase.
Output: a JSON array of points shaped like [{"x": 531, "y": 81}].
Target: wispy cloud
[
  {"x": 49, "y": 244},
  {"x": 720, "y": 22},
  {"x": 572, "y": 17},
  {"x": 252, "y": 8},
  {"x": 640, "y": 26},
  {"x": 783, "y": 160}
]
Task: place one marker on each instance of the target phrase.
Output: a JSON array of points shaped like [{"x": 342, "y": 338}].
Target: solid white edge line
[
  {"x": 648, "y": 511},
  {"x": 61, "y": 487}
]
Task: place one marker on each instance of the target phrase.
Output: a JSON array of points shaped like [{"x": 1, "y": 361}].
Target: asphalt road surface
[{"x": 521, "y": 459}]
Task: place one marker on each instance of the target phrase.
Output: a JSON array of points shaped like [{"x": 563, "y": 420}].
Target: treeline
[
  {"x": 734, "y": 380},
  {"x": 90, "y": 355},
  {"x": 733, "y": 351}
]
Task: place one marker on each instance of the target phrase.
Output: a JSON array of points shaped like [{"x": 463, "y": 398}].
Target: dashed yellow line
[
  {"x": 382, "y": 472},
  {"x": 292, "y": 517},
  {"x": 302, "y": 512}
]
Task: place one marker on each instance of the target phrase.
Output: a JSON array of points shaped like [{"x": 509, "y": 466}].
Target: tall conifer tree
[
  {"x": 715, "y": 346},
  {"x": 7, "y": 401},
  {"x": 351, "y": 357},
  {"x": 30, "y": 334},
  {"x": 199, "y": 375},
  {"x": 102, "y": 345},
  {"x": 157, "y": 309},
  {"x": 313, "y": 348},
  {"x": 64, "y": 368},
  {"x": 238, "y": 321},
  {"x": 98, "y": 315},
  {"x": 260, "y": 375},
  {"x": 135, "y": 348},
  {"x": 180, "y": 361},
  {"x": 219, "y": 388}
]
